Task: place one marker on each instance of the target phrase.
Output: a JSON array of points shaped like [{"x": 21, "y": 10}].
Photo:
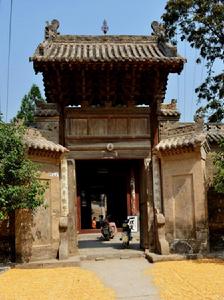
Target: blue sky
[{"x": 82, "y": 17}]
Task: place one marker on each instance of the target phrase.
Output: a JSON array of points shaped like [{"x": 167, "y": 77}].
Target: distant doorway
[{"x": 103, "y": 188}]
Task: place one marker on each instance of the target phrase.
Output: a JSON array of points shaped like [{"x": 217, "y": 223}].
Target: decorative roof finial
[
  {"x": 105, "y": 27},
  {"x": 158, "y": 30},
  {"x": 51, "y": 30}
]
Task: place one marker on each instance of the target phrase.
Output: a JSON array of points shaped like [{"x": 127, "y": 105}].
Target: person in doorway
[
  {"x": 94, "y": 223},
  {"x": 113, "y": 227}
]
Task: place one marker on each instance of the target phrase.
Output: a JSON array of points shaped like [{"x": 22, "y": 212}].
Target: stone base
[
  {"x": 51, "y": 263},
  {"x": 153, "y": 257}
]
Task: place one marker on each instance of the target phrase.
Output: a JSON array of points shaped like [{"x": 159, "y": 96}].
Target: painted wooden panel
[
  {"x": 138, "y": 126},
  {"x": 97, "y": 127},
  {"x": 117, "y": 126},
  {"x": 78, "y": 127}
]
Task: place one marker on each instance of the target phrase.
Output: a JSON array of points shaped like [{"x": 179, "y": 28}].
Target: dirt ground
[
  {"x": 51, "y": 284},
  {"x": 193, "y": 280}
]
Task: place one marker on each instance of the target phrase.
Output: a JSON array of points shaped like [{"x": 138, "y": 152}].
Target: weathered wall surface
[
  {"x": 48, "y": 126},
  {"x": 184, "y": 199},
  {"x": 37, "y": 236}
]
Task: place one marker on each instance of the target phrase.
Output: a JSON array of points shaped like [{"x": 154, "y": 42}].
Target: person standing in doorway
[{"x": 94, "y": 223}]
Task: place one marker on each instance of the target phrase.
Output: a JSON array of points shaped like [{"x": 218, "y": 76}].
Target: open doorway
[{"x": 104, "y": 188}]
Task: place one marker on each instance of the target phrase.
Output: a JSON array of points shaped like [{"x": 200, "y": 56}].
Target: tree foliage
[
  {"x": 219, "y": 164},
  {"x": 201, "y": 23},
  {"x": 28, "y": 105},
  {"x": 20, "y": 186}
]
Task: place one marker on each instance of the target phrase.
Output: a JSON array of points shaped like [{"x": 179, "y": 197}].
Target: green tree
[
  {"x": 28, "y": 105},
  {"x": 20, "y": 186},
  {"x": 219, "y": 164},
  {"x": 201, "y": 23}
]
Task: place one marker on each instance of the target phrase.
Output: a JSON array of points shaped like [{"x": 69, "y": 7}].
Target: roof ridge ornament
[
  {"x": 105, "y": 27},
  {"x": 51, "y": 29},
  {"x": 159, "y": 31},
  {"x": 163, "y": 41},
  {"x": 199, "y": 121}
]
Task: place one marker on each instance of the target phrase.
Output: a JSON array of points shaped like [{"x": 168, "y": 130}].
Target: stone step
[
  {"x": 51, "y": 263},
  {"x": 114, "y": 255}
]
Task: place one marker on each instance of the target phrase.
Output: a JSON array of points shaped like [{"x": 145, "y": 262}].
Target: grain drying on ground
[
  {"x": 189, "y": 280},
  {"x": 51, "y": 284}
]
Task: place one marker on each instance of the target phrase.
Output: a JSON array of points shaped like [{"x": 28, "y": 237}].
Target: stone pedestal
[
  {"x": 63, "y": 246},
  {"x": 163, "y": 245}
]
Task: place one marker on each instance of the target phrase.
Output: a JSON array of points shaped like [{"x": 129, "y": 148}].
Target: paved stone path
[
  {"x": 91, "y": 246},
  {"x": 126, "y": 277}
]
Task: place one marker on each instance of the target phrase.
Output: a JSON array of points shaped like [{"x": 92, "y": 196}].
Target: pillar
[
  {"x": 63, "y": 223},
  {"x": 72, "y": 217},
  {"x": 156, "y": 183}
]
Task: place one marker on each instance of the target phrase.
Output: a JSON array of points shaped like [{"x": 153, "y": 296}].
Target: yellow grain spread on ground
[
  {"x": 193, "y": 280},
  {"x": 52, "y": 284}
]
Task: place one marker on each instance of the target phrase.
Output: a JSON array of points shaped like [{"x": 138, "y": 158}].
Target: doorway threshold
[{"x": 93, "y": 247}]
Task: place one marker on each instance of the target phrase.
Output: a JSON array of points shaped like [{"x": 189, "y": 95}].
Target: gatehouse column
[
  {"x": 72, "y": 217},
  {"x": 146, "y": 207},
  {"x": 161, "y": 244},
  {"x": 63, "y": 223},
  {"x": 156, "y": 178}
]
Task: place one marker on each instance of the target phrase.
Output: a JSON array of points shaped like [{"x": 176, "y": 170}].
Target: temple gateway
[{"x": 107, "y": 145}]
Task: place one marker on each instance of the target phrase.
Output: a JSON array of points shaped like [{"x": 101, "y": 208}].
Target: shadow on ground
[{"x": 93, "y": 245}]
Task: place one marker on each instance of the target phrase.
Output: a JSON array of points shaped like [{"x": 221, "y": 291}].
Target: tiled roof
[
  {"x": 69, "y": 48},
  {"x": 34, "y": 140},
  {"x": 215, "y": 132},
  {"x": 170, "y": 112},
  {"x": 191, "y": 136},
  {"x": 180, "y": 141},
  {"x": 215, "y": 136},
  {"x": 46, "y": 109}
]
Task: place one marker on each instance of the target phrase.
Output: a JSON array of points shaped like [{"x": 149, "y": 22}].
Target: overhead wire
[
  {"x": 193, "y": 82},
  {"x": 202, "y": 70},
  {"x": 178, "y": 88},
  {"x": 8, "y": 61},
  {"x": 178, "y": 83},
  {"x": 184, "y": 96}
]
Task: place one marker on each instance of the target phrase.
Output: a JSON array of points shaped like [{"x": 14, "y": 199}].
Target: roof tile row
[
  {"x": 34, "y": 140},
  {"x": 211, "y": 135},
  {"x": 112, "y": 48}
]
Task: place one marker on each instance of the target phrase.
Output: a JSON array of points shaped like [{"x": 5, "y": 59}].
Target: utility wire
[
  {"x": 8, "y": 63},
  {"x": 193, "y": 82},
  {"x": 185, "y": 54},
  {"x": 202, "y": 70},
  {"x": 178, "y": 87}
]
